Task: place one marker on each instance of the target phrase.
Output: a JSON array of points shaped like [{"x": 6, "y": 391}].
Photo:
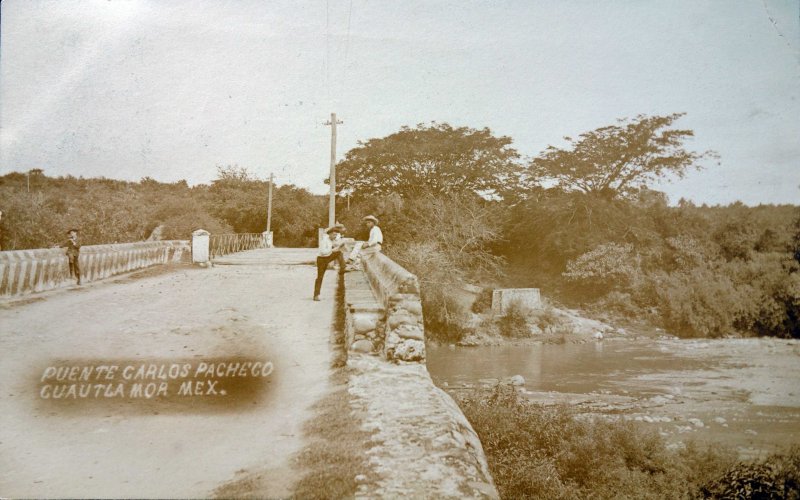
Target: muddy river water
[{"x": 742, "y": 393}]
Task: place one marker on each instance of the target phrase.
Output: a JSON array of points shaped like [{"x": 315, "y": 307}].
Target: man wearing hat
[
  {"x": 375, "y": 235},
  {"x": 330, "y": 249},
  {"x": 373, "y": 243},
  {"x": 73, "y": 247}
]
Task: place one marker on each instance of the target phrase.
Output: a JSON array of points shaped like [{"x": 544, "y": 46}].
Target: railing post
[{"x": 200, "y": 247}]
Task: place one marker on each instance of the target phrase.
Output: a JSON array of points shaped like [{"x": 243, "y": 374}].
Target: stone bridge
[{"x": 160, "y": 378}]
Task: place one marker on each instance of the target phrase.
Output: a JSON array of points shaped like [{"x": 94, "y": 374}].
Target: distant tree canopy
[
  {"x": 233, "y": 174},
  {"x": 238, "y": 198},
  {"x": 434, "y": 159},
  {"x": 109, "y": 211},
  {"x": 619, "y": 160}
]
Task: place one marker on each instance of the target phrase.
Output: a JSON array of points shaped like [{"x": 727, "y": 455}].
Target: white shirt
[
  {"x": 327, "y": 246},
  {"x": 375, "y": 236}
]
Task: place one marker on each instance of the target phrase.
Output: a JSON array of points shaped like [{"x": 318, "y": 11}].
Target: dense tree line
[
  {"x": 459, "y": 205},
  {"x": 38, "y": 209},
  {"x": 580, "y": 222}
]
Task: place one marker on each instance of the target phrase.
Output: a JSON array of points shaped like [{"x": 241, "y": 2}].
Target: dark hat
[{"x": 370, "y": 218}]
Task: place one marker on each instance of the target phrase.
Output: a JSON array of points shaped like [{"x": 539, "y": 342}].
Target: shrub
[
  {"x": 607, "y": 266},
  {"x": 620, "y": 303},
  {"x": 548, "y": 452},
  {"x": 546, "y": 318},
  {"x": 483, "y": 302},
  {"x": 776, "y": 477},
  {"x": 445, "y": 317},
  {"x": 699, "y": 303},
  {"x": 514, "y": 321}
]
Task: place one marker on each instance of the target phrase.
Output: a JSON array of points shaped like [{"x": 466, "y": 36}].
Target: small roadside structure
[{"x": 530, "y": 298}]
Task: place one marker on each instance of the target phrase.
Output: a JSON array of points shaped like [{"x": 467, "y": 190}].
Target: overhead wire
[{"x": 327, "y": 49}]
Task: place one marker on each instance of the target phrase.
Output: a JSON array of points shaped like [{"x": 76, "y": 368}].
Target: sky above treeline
[{"x": 170, "y": 89}]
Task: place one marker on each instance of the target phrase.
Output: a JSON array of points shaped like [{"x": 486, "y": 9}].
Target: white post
[
  {"x": 267, "y": 239},
  {"x": 200, "y": 246}
]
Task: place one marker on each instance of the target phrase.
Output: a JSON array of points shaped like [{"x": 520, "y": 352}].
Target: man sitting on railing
[
  {"x": 330, "y": 248},
  {"x": 373, "y": 244}
]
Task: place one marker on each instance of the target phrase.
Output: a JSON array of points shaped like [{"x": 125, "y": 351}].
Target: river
[{"x": 743, "y": 393}]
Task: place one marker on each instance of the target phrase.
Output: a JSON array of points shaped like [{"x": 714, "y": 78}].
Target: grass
[
  {"x": 545, "y": 452},
  {"x": 336, "y": 452}
]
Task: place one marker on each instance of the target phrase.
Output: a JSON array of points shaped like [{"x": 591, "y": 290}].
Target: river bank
[
  {"x": 557, "y": 324},
  {"x": 740, "y": 393}
]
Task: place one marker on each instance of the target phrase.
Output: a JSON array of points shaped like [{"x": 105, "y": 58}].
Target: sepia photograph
[{"x": 332, "y": 249}]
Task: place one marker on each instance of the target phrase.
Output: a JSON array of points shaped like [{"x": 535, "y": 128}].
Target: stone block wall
[
  {"x": 27, "y": 271},
  {"x": 384, "y": 310},
  {"x": 364, "y": 316}
]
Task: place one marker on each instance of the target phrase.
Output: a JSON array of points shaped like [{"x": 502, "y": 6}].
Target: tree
[
  {"x": 445, "y": 241},
  {"x": 619, "y": 160},
  {"x": 437, "y": 159},
  {"x": 233, "y": 174},
  {"x": 607, "y": 266},
  {"x": 239, "y": 199}
]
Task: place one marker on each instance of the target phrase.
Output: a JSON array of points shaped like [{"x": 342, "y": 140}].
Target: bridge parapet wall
[
  {"x": 384, "y": 310},
  {"x": 424, "y": 447},
  {"x": 27, "y": 271}
]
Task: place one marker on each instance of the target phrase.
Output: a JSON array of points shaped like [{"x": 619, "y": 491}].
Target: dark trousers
[
  {"x": 75, "y": 268},
  {"x": 322, "y": 266}
]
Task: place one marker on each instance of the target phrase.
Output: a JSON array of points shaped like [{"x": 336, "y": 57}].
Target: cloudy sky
[{"x": 171, "y": 88}]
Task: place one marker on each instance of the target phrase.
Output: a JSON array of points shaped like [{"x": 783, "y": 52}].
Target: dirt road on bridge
[{"x": 252, "y": 306}]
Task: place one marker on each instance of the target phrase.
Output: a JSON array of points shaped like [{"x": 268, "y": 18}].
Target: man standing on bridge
[
  {"x": 330, "y": 249},
  {"x": 73, "y": 247}
]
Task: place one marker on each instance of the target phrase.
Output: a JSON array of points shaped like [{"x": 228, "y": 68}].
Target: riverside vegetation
[
  {"x": 550, "y": 453},
  {"x": 461, "y": 206},
  {"x": 582, "y": 223}
]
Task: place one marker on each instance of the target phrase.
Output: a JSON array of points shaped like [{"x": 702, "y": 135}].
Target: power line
[
  {"x": 327, "y": 49},
  {"x": 347, "y": 40}
]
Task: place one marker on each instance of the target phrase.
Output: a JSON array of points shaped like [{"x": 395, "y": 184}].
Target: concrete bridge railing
[
  {"x": 224, "y": 244},
  {"x": 424, "y": 446},
  {"x": 27, "y": 271},
  {"x": 384, "y": 310}
]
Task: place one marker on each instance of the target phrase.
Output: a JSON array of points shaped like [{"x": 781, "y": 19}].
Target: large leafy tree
[
  {"x": 619, "y": 160},
  {"x": 238, "y": 198},
  {"x": 435, "y": 159}
]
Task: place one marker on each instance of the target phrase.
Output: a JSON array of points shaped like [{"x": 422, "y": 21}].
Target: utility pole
[
  {"x": 332, "y": 178},
  {"x": 269, "y": 202}
]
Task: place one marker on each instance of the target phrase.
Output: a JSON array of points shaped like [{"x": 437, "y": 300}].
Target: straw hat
[{"x": 370, "y": 218}]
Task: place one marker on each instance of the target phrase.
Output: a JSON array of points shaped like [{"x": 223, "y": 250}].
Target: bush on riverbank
[
  {"x": 514, "y": 322},
  {"x": 775, "y": 477},
  {"x": 546, "y": 452},
  {"x": 695, "y": 271}
]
